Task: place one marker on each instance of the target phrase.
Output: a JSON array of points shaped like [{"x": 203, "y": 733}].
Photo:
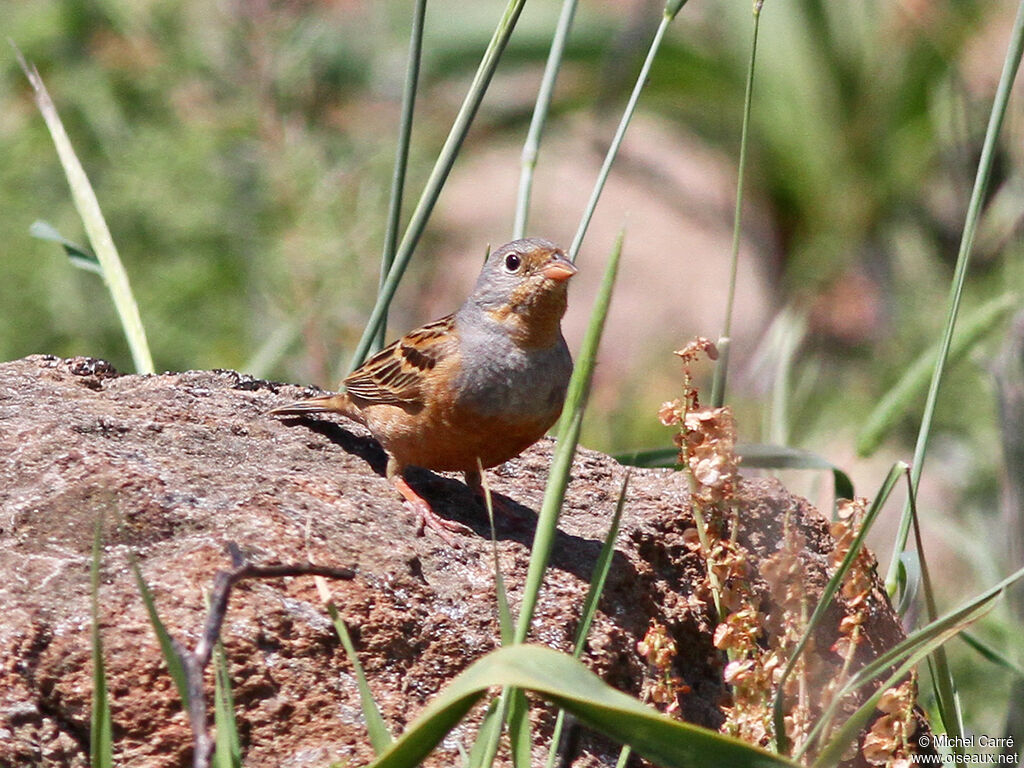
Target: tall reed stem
[
  {"x": 412, "y": 76},
  {"x": 540, "y": 116}
]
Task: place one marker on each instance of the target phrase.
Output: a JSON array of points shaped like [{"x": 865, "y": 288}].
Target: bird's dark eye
[{"x": 513, "y": 261}]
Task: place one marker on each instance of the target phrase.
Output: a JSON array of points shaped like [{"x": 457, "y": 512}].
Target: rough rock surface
[{"x": 181, "y": 464}]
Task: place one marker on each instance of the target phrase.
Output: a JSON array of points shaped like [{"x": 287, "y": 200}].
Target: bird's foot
[{"x": 426, "y": 517}]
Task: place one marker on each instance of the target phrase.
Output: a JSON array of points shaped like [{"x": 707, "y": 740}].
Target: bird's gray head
[
  {"x": 521, "y": 274},
  {"x": 523, "y": 288}
]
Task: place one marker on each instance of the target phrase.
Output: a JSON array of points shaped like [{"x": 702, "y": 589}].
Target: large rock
[{"x": 180, "y": 465}]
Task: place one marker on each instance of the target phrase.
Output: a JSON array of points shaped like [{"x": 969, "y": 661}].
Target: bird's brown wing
[{"x": 395, "y": 375}]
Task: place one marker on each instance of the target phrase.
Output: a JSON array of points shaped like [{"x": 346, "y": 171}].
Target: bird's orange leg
[{"x": 426, "y": 516}]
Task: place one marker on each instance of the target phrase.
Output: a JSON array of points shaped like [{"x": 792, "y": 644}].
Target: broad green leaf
[{"x": 567, "y": 683}]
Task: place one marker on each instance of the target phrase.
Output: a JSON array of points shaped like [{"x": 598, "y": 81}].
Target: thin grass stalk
[
  {"x": 531, "y": 146},
  {"x": 376, "y": 728},
  {"x": 554, "y": 493},
  {"x": 989, "y": 653},
  {"x": 167, "y": 645},
  {"x": 995, "y": 124},
  {"x": 228, "y": 751},
  {"x": 438, "y": 176},
  {"x": 412, "y": 76},
  {"x": 942, "y": 676},
  {"x": 490, "y": 729},
  {"x": 725, "y": 340},
  {"x": 627, "y": 115},
  {"x": 88, "y": 207},
  {"x": 831, "y": 587},
  {"x": 568, "y": 436},
  {"x": 101, "y": 740},
  {"x": 504, "y": 613}
]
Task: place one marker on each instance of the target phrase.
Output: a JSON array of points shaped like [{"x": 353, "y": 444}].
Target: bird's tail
[{"x": 325, "y": 404}]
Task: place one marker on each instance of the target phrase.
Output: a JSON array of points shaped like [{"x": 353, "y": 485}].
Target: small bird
[{"x": 475, "y": 388}]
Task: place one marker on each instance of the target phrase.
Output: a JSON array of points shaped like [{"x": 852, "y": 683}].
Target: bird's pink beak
[{"x": 559, "y": 268}]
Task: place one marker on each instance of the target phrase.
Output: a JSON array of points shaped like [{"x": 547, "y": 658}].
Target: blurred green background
[{"x": 242, "y": 153}]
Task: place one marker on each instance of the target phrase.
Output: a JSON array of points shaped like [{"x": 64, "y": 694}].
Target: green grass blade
[
  {"x": 564, "y": 681},
  {"x": 620, "y": 131},
  {"x": 412, "y": 76},
  {"x": 228, "y": 750},
  {"x": 101, "y": 739},
  {"x": 540, "y": 115},
  {"x": 760, "y": 456},
  {"x": 171, "y": 657},
  {"x": 556, "y": 738},
  {"x": 906, "y": 393},
  {"x": 916, "y": 646},
  {"x": 909, "y": 582},
  {"x": 488, "y": 734},
  {"x": 520, "y": 738},
  {"x": 78, "y": 255},
  {"x": 501, "y": 593},
  {"x": 831, "y": 587},
  {"x": 600, "y": 575},
  {"x": 594, "y": 592},
  {"x": 95, "y": 225},
  {"x": 942, "y": 676},
  {"x": 725, "y": 340},
  {"x": 649, "y": 458},
  {"x": 568, "y": 436},
  {"x": 995, "y": 124},
  {"x": 438, "y": 176},
  {"x": 992, "y": 654},
  {"x": 831, "y": 753},
  {"x": 380, "y": 736}
]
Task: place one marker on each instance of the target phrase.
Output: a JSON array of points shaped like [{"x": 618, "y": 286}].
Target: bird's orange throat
[{"x": 533, "y": 317}]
